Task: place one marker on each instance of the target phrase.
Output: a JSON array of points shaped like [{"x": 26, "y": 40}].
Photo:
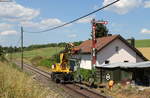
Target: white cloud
[
  {"x": 51, "y": 22},
  {"x": 72, "y": 35},
  {"x": 12, "y": 11},
  {"x": 86, "y": 19},
  {"x": 147, "y": 4},
  {"x": 5, "y": 0},
  {"x": 43, "y": 24},
  {"x": 30, "y": 24},
  {"x": 123, "y": 6},
  {"x": 9, "y": 32},
  {"x": 5, "y": 26},
  {"x": 146, "y": 31}
]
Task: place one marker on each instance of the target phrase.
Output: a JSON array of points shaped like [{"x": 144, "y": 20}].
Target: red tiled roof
[
  {"x": 86, "y": 46},
  {"x": 101, "y": 42}
]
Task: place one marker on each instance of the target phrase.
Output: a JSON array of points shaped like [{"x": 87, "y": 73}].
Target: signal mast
[{"x": 94, "y": 23}]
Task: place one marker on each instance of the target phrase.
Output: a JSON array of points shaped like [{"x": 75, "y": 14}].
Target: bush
[
  {"x": 3, "y": 59},
  {"x": 46, "y": 62},
  {"x": 85, "y": 74},
  {"x": 36, "y": 60}
]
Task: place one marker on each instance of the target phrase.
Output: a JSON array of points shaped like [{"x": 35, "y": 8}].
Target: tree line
[{"x": 11, "y": 49}]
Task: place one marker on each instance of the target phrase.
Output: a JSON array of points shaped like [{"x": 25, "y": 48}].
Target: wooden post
[{"x": 22, "y": 48}]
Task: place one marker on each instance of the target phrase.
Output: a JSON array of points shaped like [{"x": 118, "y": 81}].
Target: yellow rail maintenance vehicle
[{"x": 61, "y": 72}]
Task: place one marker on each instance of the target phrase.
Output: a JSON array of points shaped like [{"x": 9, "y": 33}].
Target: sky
[{"x": 129, "y": 18}]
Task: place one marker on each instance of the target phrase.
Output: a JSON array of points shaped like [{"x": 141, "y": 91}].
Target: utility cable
[{"x": 56, "y": 27}]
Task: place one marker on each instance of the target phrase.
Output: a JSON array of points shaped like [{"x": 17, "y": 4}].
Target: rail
[{"x": 84, "y": 92}]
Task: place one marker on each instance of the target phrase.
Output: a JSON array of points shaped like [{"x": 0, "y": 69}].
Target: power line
[{"x": 53, "y": 28}]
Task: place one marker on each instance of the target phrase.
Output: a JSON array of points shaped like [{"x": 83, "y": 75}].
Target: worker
[{"x": 111, "y": 84}]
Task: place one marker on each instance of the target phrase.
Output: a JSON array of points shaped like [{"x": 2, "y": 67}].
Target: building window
[
  {"x": 126, "y": 61},
  {"x": 117, "y": 48},
  {"x": 106, "y": 62}
]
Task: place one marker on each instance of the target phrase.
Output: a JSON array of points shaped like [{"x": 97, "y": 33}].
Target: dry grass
[
  {"x": 44, "y": 68},
  {"x": 145, "y": 51},
  {"x": 16, "y": 84},
  {"x": 126, "y": 91}
]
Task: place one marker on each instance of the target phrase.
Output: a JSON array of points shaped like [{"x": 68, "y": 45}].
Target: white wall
[
  {"x": 86, "y": 61},
  {"x": 138, "y": 59},
  {"x": 109, "y": 53},
  {"x": 124, "y": 53}
]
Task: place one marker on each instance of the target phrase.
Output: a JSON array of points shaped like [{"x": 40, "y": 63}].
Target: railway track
[
  {"x": 84, "y": 92},
  {"x": 36, "y": 70}
]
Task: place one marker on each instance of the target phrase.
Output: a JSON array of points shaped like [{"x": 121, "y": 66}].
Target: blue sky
[{"x": 127, "y": 18}]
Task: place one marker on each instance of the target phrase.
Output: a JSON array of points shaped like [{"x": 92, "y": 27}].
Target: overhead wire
[{"x": 56, "y": 27}]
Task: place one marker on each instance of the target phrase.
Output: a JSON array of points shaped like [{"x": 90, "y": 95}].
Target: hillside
[
  {"x": 142, "y": 43},
  {"x": 37, "y": 57},
  {"x": 43, "y": 52}
]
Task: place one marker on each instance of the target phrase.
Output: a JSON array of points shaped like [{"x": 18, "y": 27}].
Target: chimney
[
  {"x": 109, "y": 34},
  {"x": 131, "y": 41}
]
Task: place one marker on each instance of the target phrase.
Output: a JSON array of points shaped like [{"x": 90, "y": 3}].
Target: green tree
[
  {"x": 1, "y": 51},
  {"x": 101, "y": 30}
]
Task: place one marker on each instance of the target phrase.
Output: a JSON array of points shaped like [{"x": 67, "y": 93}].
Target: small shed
[{"x": 137, "y": 72}]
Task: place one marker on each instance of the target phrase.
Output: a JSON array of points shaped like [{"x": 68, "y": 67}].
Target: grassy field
[
  {"x": 142, "y": 43},
  {"x": 16, "y": 84},
  {"x": 38, "y": 57},
  {"x": 43, "y": 52}
]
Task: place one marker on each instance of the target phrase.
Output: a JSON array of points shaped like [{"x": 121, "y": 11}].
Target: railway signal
[
  {"x": 94, "y": 22},
  {"x": 93, "y": 62}
]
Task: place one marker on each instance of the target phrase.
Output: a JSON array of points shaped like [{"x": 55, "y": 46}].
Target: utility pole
[
  {"x": 22, "y": 48},
  {"x": 11, "y": 51},
  {"x": 94, "y": 22}
]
